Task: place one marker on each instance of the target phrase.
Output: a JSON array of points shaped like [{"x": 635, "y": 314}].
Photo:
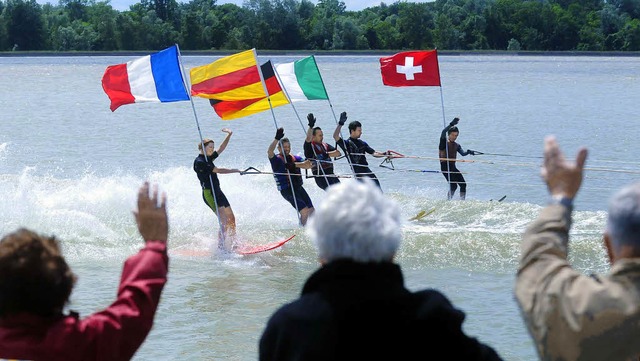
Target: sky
[{"x": 354, "y": 5}]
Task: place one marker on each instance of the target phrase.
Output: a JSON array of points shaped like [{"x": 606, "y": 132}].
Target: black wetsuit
[
  {"x": 448, "y": 168},
  {"x": 355, "y": 149},
  {"x": 211, "y": 192}
]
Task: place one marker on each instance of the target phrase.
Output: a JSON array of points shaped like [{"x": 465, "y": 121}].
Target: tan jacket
[{"x": 572, "y": 316}]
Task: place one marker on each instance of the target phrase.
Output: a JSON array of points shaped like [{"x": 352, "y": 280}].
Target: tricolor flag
[
  {"x": 153, "y": 78},
  {"x": 302, "y": 81},
  {"x": 411, "y": 68},
  {"x": 232, "y": 109}
]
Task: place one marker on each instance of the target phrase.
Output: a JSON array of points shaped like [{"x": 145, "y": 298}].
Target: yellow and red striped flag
[{"x": 233, "y": 86}]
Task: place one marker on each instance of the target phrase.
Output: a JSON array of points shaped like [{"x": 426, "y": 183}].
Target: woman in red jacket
[{"x": 35, "y": 284}]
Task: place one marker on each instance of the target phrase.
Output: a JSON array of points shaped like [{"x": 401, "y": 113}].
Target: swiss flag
[{"x": 411, "y": 68}]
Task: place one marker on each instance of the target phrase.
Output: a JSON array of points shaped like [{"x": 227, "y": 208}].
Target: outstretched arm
[
  {"x": 121, "y": 328},
  {"x": 224, "y": 143},
  {"x": 306, "y": 164},
  {"x": 272, "y": 146},
  {"x": 336, "y": 133},
  {"x": 225, "y": 170},
  {"x": 312, "y": 122},
  {"x": 380, "y": 154}
]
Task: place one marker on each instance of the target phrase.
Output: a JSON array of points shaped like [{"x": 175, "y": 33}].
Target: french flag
[{"x": 154, "y": 78}]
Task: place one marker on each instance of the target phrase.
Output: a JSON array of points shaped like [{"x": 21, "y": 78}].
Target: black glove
[
  {"x": 343, "y": 118},
  {"x": 311, "y": 119},
  {"x": 279, "y": 133},
  {"x": 454, "y": 121},
  {"x": 472, "y": 152}
]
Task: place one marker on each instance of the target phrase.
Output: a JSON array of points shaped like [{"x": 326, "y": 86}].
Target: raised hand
[
  {"x": 151, "y": 215},
  {"x": 563, "y": 178},
  {"x": 227, "y": 130},
  {"x": 311, "y": 119},
  {"x": 343, "y": 118},
  {"x": 279, "y": 133}
]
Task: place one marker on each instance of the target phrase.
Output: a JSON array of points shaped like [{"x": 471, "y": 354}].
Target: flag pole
[
  {"x": 275, "y": 123},
  {"x": 222, "y": 236},
  {"x": 444, "y": 124},
  {"x": 286, "y": 93},
  {"x": 353, "y": 171}
]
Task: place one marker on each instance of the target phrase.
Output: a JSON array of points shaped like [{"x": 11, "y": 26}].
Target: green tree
[
  {"x": 103, "y": 19},
  {"x": 77, "y": 9},
  {"x": 24, "y": 24},
  {"x": 416, "y": 25}
]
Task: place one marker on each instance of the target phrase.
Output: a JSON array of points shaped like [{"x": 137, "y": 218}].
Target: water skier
[
  {"x": 320, "y": 152},
  {"x": 286, "y": 169},
  {"x": 212, "y": 195},
  {"x": 447, "y": 150},
  {"x": 354, "y": 148}
]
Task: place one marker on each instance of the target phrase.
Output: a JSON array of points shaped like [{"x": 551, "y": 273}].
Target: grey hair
[
  {"x": 357, "y": 222},
  {"x": 623, "y": 222}
]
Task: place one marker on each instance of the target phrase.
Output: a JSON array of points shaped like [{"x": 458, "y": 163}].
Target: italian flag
[{"x": 301, "y": 80}]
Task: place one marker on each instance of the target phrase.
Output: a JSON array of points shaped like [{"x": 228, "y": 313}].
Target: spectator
[
  {"x": 356, "y": 307},
  {"x": 35, "y": 284},
  {"x": 572, "y": 316}
]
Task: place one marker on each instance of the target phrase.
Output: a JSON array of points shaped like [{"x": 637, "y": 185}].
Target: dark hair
[
  {"x": 34, "y": 276},
  {"x": 284, "y": 140},
  {"x": 313, "y": 132},
  {"x": 354, "y": 125},
  {"x": 453, "y": 129}
]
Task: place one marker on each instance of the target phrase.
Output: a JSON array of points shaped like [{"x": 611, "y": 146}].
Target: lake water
[{"x": 71, "y": 167}]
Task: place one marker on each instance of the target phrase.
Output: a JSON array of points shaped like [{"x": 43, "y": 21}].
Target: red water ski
[{"x": 252, "y": 249}]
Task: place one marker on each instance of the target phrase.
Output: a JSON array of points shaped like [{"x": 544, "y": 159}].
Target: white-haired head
[
  {"x": 623, "y": 222},
  {"x": 357, "y": 222}
]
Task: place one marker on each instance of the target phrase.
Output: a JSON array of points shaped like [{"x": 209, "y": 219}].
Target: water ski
[
  {"x": 499, "y": 200},
  {"x": 252, "y": 249},
  {"x": 423, "y": 213}
]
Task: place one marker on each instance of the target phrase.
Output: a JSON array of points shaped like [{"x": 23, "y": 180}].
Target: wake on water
[{"x": 92, "y": 215}]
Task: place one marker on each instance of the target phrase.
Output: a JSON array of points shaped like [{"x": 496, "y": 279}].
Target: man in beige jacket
[{"x": 572, "y": 316}]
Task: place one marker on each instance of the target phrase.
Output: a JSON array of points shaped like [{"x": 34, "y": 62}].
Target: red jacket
[{"x": 112, "y": 334}]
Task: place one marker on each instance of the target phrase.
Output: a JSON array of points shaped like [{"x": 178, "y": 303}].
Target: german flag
[{"x": 232, "y": 85}]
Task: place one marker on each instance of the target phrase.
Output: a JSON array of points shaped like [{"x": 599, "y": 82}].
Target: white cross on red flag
[{"x": 411, "y": 68}]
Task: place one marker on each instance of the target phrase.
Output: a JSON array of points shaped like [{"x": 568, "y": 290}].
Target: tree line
[{"x": 540, "y": 25}]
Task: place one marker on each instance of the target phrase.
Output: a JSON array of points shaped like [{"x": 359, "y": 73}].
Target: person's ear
[{"x": 609, "y": 247}]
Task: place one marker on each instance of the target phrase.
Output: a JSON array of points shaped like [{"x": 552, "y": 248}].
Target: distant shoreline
[{"x": 318, "y": 52}]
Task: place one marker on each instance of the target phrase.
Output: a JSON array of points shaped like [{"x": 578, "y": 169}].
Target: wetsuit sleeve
[
  {"x": 118, "y": 331},
  {"x": 340, "y": 143},
  {"x": 308, "y": 150},
  {"x": 330, "y": 148},
  {"x": 367, "y": 148},
  {"x": 443, "y": 137},
  {"x": 462, "y": 152}
]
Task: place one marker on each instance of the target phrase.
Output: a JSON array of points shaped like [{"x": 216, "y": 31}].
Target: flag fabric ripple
[
  {"x": 233, "y": 109},
  {"x": 301, "y": 79},
  {"x": 411, "y": 68},
  {"x": 233, "y": 77},
  {"x": 153, "y": 78}
]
